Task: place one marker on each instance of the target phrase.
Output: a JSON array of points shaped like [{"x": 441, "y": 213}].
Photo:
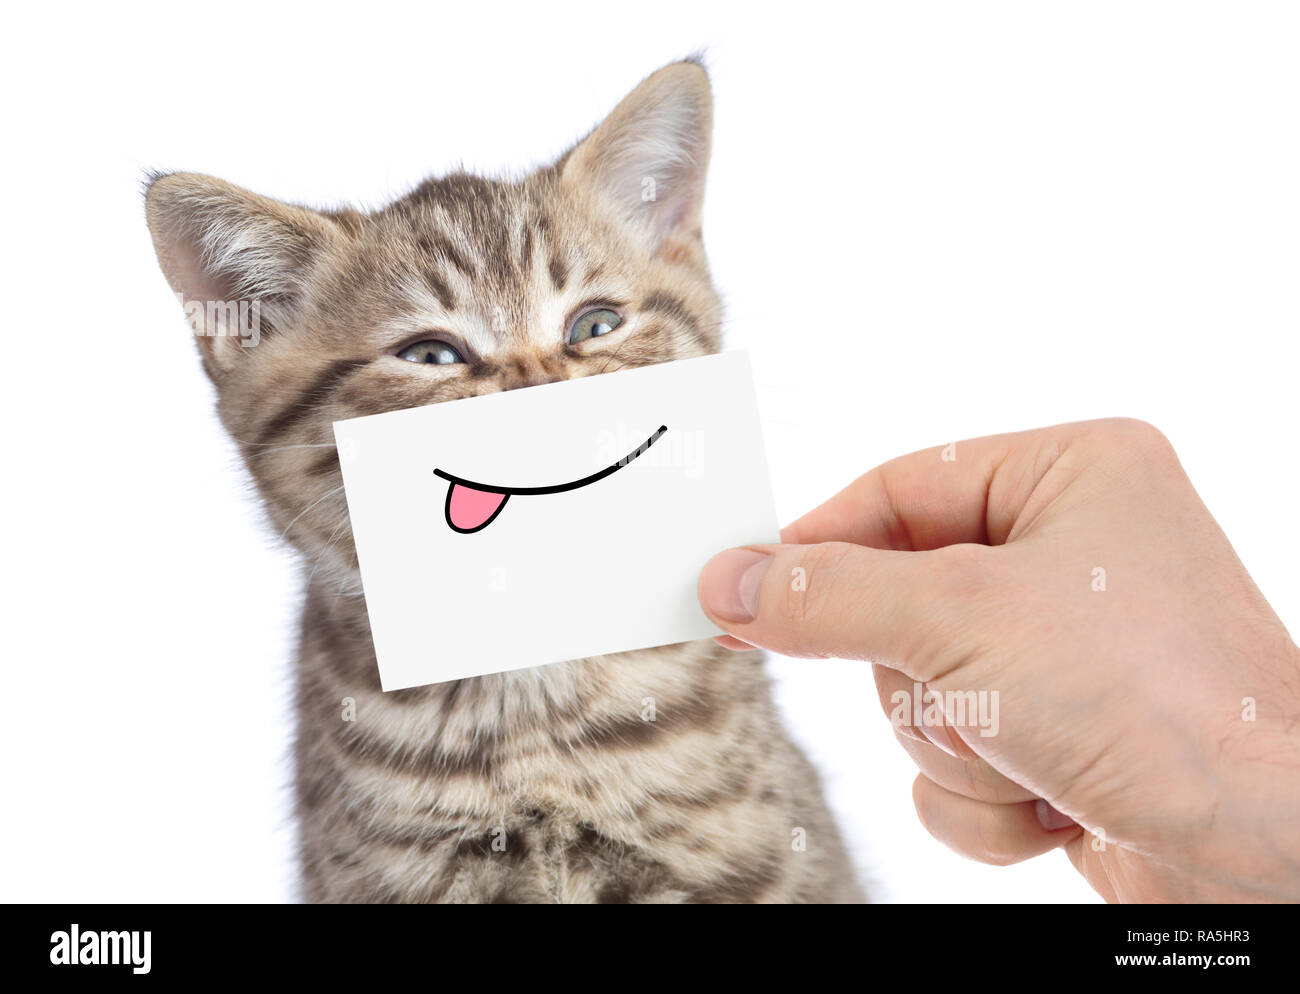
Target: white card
[{"x": 553, "y": 522}]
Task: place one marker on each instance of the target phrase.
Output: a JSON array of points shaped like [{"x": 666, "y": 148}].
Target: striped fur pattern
[{"x": 655, "y": 776}]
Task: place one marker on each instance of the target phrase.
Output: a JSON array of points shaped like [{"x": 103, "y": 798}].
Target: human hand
[{"x": 1147, "y": 696}]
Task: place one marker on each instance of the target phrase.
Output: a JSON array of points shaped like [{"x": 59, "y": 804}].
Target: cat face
[{"x": 465, "y": 286}]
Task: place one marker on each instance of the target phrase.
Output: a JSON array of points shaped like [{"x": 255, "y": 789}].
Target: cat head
[{"x": 465, "y": 286}]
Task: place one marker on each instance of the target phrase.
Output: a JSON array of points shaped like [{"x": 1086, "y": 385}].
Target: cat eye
[
  {"x": 432, "y": 351},
  {"x": 593, "y": 324}
]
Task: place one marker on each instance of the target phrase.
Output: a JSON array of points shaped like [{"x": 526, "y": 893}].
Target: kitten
[{"x": 542, "y": 784}]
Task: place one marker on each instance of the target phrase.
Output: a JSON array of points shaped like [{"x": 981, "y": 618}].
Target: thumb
[{"x": 843, "y": 600}]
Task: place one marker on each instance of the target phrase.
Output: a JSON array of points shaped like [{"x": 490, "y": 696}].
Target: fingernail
[
  {"x": 733, "y": 644},
  {"x": 730, "y": 583},
  {"x": 938, "y": 736},
  {"x": 1050, "y": 818}
]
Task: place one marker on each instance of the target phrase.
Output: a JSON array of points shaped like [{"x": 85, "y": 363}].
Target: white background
[{"x": 931, "y": 221}]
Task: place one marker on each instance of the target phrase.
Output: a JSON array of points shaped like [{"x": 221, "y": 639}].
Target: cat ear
[
  {"x": 649, "y": 157},
  {"x": 236, "y": 261}
]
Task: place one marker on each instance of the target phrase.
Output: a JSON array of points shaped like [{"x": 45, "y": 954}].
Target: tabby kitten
[{"x": 542, "y": 784}]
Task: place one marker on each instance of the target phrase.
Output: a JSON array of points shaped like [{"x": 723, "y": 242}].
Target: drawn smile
[{"x": 471, "y": 506}]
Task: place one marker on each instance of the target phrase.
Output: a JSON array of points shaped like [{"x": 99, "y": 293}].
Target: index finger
[{"x": 963, "y": 492}]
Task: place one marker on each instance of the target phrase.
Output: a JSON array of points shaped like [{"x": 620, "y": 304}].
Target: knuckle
[
  {"x": 1140, "y": 435},
  {"x": 962, "y": 569},
  {"x": 812, "y": 599},
  {"x": 986, "y": 784},
  {"x": 977, "y": 782}
]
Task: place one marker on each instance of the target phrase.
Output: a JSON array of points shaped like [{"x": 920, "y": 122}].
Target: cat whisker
[
  {"x": 333, "y": 537},
  {"x": 327, "y": 494},
  {"x": 612, "y": 356}
]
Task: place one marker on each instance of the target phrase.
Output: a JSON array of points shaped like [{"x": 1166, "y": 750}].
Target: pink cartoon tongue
[{"x": 469, "y": 509}]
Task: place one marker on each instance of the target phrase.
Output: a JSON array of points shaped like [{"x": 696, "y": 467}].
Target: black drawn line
[{"x": 558, "y": 488}]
